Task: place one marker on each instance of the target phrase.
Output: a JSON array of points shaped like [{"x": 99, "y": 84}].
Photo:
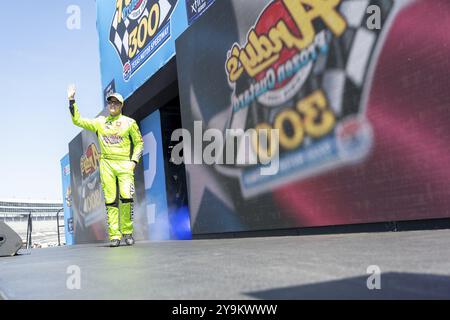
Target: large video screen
[{"x": 357, "y": 93}]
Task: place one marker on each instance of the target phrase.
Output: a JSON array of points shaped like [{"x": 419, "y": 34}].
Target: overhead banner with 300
[
  {"x": 137, "y": 38},
  {"x": 326, "y": 74}
]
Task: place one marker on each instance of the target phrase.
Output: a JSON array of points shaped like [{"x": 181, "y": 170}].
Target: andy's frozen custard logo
[
  {"x": 304, "y": 70},
  {"x": 90, "y": 196},
  {"x": 284, "y": 28},
  {"x": 89, "y": 161},
  {"x": 282, "y": 46}
]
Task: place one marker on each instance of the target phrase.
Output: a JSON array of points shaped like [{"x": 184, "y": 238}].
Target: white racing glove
[{"x": 71, "y": 92}]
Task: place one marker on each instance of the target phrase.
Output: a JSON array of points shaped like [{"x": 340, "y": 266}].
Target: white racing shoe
[
  {"x": 129, "y": 240},
  {"x": 114, "y": 243}
]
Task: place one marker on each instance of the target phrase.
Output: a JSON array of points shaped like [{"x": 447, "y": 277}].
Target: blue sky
[{"x": 40, "y": 57}]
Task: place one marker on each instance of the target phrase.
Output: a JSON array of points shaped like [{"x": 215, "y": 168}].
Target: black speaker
[{"x": 10, "y": 241}]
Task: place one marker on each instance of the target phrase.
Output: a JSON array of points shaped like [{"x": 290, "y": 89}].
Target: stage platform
[{"x": 413, "y": 264}]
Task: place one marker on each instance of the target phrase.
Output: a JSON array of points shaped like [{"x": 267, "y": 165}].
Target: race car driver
[{"x": 115, "y": 134}]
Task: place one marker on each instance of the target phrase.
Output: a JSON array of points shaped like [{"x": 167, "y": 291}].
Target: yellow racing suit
[{"x": 115, "y": 135}]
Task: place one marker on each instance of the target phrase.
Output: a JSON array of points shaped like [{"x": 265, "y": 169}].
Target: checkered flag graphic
[
  {"x": 118, "y": 35},
  {"x": 346, "y": 69}
]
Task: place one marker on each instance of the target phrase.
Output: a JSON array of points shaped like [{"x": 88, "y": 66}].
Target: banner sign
[
  {"x": 137, "y": 38},
  {"x": 309, "y": 69}
]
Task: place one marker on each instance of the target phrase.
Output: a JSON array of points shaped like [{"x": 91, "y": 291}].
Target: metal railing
[
  {"x": 29, "y": 231},
  {"x": 23, "y": 213},
  {"x": 34, "y": 215},
  {"x": 59, "y": 226}
]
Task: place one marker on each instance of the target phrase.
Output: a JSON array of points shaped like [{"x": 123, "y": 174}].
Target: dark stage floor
[{"x": 413, "y": 265}]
